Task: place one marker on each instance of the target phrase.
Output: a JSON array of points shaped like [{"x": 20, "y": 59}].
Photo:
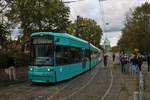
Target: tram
[{"x": 56, "y": 57}]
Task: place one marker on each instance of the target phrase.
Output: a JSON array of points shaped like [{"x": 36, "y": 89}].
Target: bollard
[
  {"x": 141, "y": 86},
  {"x": 136, "y": 95}
]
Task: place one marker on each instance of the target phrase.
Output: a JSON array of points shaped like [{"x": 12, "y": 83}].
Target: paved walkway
[
  {"x": 130, "y": 83},
  {"x": 147, "y": 82},
  {"x": 124, "y": 84},
  {"x": 21, "y": 75}
]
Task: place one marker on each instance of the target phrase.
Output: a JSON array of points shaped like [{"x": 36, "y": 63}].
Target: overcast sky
[
  {"x": 114, "y": 12},
  {"x": 109, "y": 11}
]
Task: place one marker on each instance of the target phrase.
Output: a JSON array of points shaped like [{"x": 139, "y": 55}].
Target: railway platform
[{"x": 146, "y": 81}]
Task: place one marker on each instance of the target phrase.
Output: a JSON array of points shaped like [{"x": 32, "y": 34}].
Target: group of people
[{"x": 135, "y": 60}]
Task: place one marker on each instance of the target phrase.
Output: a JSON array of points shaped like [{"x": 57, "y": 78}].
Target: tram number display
[{"x": 42, "y": 41}]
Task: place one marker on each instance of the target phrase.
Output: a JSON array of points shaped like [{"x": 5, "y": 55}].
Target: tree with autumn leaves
[
  {"x": 38, "y": 15},
  {"x": 49, "y": 15},
  {"x": 86, "y": 29},
  {"x": 136, "y": 33}
]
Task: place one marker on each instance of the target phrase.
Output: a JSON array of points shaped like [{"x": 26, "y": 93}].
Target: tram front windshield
[{"x": 42, "y": 52}]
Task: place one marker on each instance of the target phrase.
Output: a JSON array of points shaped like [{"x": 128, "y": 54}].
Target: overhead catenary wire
[
  {"x": 73, "y": 9},
  {"x": 102, "y": 14},
  {"x": 102, "y": 19}
]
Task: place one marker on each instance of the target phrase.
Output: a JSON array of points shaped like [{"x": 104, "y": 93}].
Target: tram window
[
  {"x": 87, "y": 54},
  {"x": 62, "y": 55},
  {"x": 42, "y": 55},
  {"x": 93, "y": 55},
  {"x": 67, "y": 55},
  {"x": 83, "y": 55},
  {"x": 75, "y": 55}
]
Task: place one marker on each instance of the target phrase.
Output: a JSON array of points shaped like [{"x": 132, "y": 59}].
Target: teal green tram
[{"x": 55, "y": 57}]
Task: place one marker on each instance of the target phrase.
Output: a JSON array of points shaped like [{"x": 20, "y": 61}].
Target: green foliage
[
  {"x": 3, "y": 33},
  {"x": 87, "y": 30},
  {"x": 39, "y": 15},
  {"x": 21, "y": 59},
  {"x": 137, "y": 29},
  {"x": 3, "y": 59}
]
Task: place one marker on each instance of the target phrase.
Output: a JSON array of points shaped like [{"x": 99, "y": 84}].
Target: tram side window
[
  {"x": 92, "y": 54},
  {"x": 95, "y": 55},
  {"x": 75, "y": 55},
  {"x": 62, "y": 55},
  {"x": 83, "y": 54},
  {"x": 86, "y": 55}
]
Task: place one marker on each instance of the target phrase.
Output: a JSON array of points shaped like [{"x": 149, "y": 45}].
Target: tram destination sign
[{"x": 42, "y": 41}]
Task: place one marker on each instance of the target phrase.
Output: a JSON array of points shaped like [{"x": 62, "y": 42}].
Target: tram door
[
  {"x": 83, "y": 59},
  {"x": 89, "y": 56}
]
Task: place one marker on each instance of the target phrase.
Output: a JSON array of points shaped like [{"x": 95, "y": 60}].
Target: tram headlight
[
  {"x": 31, "y": 69},
  {"x": 48, "y": 69}
]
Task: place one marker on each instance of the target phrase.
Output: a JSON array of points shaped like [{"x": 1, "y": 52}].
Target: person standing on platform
[
  {"x": 11, "y": 68},
  {"x": 148, "y": 62},
  {"x": 122, "y": 60},
  {"x": 140, "y": 61},
  {"x": 126, "y": 63},
  {"x": 105, "y": 58},
  {"x": 134, "y": 64},
  {"x": 113, "y": 56}
]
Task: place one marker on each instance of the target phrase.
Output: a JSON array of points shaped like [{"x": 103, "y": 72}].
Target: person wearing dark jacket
[
  {"x": 11, "y": 68},
  {"x": 113, "y": 56},
  {"x": 140, "y": 61},
  {"x": 148, "y": 62},
  {"x": 105, "y": 58},
  {"x": 124, "y": 60},
  {"x": 134, "y": 63}
]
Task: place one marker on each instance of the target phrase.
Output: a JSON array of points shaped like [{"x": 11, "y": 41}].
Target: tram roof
[{"x": 65, "y": 35}]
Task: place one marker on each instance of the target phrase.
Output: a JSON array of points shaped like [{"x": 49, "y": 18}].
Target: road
[{"x": 95, "y": 84}]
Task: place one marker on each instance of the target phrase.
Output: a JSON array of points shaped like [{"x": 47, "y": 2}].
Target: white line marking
[
  {"x": 50, "y": 97},
  {"x": 81, "y": 87},
  {"x": 110, "y": 86}
]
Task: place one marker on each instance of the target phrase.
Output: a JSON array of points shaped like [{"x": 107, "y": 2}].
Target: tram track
[
  {"x": 110, "y": 86},
  {"x": 26, "y": 91},
  {"x": 78, "y": 90},
  {"x": 57, "y": 89},
  {"x": 72, "y": 81}
]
